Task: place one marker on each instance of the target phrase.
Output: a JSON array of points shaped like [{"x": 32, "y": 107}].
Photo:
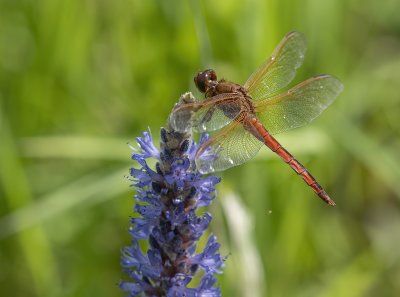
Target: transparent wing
[
  {"x": 209, "y": 115},
  {"x": 232, "y": 146},
  {"x": 279, "y": 69},
  {"x": 299, "y": 105}
]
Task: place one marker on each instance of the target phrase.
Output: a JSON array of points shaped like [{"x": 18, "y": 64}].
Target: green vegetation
[{"x": 80, "y": 78}]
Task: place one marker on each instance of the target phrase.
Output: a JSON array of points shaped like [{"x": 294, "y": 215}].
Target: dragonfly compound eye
[
  {"x": 201, "y": 81},
  {"x": 211, "y": 75}
]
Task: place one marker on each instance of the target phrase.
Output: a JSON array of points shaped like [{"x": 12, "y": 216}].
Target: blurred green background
[{"x": 80, "y": 78}]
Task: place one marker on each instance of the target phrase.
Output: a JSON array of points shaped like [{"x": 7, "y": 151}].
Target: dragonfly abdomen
[{"x": 277, "y": 148}]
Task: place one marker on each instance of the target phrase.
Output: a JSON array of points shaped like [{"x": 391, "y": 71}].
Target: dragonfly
[{"x": 252, "y": 113}]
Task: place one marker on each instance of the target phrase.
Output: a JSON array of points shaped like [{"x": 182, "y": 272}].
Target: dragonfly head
[{"x": 203, "y": 79}]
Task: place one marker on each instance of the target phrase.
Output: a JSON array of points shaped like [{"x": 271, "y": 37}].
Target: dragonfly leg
[{"x": 208, "y": 115}]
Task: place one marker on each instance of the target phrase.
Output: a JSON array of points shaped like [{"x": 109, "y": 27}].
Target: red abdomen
[{"x": 275, "y": 146}]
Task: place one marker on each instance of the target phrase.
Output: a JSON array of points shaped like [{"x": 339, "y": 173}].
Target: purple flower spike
[{"x": 167, "y": 199}]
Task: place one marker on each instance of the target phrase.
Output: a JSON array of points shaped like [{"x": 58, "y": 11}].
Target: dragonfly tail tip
[{"x": 324, "y": 196}]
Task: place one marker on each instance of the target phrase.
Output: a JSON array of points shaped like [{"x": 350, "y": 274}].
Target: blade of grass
[
  {"x": 381, "y": 161},
  {"x": 75, "y": 147},
  {"x": 34, "y": 244},
  {"x": 87, "y": 190}
]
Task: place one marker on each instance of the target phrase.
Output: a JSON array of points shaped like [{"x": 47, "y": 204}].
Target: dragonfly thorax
[{"x": 221, "y": 87}]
